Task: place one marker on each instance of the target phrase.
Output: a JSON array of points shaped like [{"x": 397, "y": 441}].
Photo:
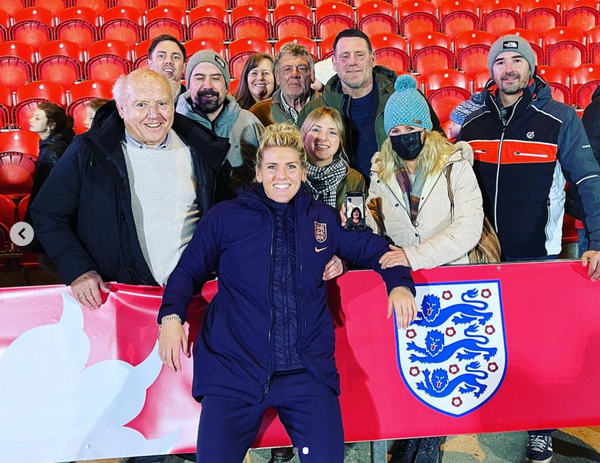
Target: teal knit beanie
[{"x": 407, "y": 106}]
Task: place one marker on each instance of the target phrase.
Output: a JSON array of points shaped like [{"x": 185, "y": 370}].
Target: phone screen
[{"x": 355, "y": 210}]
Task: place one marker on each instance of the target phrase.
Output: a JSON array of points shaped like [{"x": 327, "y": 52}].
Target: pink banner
[{"x": 496, "y": 348}]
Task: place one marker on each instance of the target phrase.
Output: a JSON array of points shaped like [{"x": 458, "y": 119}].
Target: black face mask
[{"x": 407, "y": 146}]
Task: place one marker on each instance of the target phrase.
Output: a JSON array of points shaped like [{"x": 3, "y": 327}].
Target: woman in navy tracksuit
[{"x": 267, "y": 337}]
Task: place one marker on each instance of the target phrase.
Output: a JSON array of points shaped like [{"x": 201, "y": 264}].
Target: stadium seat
[
  {"x": 82, "y": 92},
  {"x": 78, "y": 24},
  {"x": 416, "y": 17},
  {"x": 18, "y": 153},
  {"x": 332, "y": 18},
  {"x": 318, "y": 3},
  {"x": 6, "y": 104},
  {"x": 583, "y": 94},
  {"x": 12, "y": 6},
  {"x": 193, "y": 46},
  {"x": 29, "y": 95},
  {"x": 240, "y": 50},
  {"x": 16, "y": 64},
  {"x": 480, "y": 81},
  {"x": 565, "y": 48},
  {"x": 580, "y": 14},
  {"x": 534, "y": 40},
  {"x": 179, "y": 4},
  {"x": 376, "y": 17},
  {"x": 458, "y": 16},
  {"x": 558, "y": 82},
  {"x": 391, "y": 51},
  {"x": 165, "y": 20},
  {"x": 445, "y": 99},
  {"x": 277, "y": 3},
  {"x": 292, "y": 21},
  {"x": 250, "y": 21},
  {"x": 56, "y": 6},
  {"x": 236, "y": 3},
  {"x": 498, "y": 16},
  {"x": 139, "y": 5},
  {"x": 123, "y": 23},
  {"x": 592, "y": 39},
  {"x": 310, "y": 45},
  {"x": 209, "y": 21},
  {"x": 473, "y": 59},
  {"x": 467, "y": 39},
  {"x": 99, "y": 6},
  {"x": 326, "y": 48},
  {"x": 446, "y": 78},
  {"x": 583, "y": 75},
  {"x": 233, "y": 85},
  {"x": 4, "y": 26},
  {"x": 220, "y": 3},
  {"x": 140, "y": 51},
  {"x": 108, "y": 60},
  {"x": 431, "y": 52},
  {"x": 8, "y": 211},
  {"x": 33, "y": 26},
  {"x": 60, "y": 61},
  {"x": 540, "y": 15}
]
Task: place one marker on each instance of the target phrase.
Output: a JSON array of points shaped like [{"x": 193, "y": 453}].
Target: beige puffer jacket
[{"x": 438, "y": 236}]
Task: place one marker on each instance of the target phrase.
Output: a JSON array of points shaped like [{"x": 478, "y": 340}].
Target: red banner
[{"x": 506, "y": 347}]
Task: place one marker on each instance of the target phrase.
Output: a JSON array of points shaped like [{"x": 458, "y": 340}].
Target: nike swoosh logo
[{"x": 320, "y": 249}]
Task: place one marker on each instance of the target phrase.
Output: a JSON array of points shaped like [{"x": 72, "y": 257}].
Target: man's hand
[
  {"x": 87, "y": 289},
  {"x": 171, "y": 341},
  {"x": 593, "y": 258},
  {"x": 334, "y": 268},
  {"x": 393, "y": 258},
  {"x": 403, "y": 302}
]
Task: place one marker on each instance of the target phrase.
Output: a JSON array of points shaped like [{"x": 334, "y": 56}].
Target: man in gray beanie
[
  {"x": 526, "y": 145},
  {"x": 208, "y": 102}
]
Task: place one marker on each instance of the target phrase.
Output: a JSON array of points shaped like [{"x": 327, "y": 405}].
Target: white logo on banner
[{"x": 453, "y": 356}]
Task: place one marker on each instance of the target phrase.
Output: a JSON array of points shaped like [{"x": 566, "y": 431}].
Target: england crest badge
[{"x": 453, "y": 355}]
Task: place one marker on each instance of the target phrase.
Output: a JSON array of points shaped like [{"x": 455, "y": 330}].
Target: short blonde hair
[
  {"x": 317, "y": 115},
  {"x": 281, "y": 136}
]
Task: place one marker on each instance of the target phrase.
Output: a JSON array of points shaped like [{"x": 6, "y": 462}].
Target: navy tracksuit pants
[{"x": 309, "y": 410}]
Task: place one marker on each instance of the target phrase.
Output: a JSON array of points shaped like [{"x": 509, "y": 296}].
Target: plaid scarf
[
  {"x": 412, "y": 193},
  {"x": 322, "y": 182}
]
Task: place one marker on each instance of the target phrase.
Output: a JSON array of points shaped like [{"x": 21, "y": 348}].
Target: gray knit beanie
[
  {"x": 407, "y": 106},
  {"x": 207, "y": 56},
  {"x": 512, "y": 43}
]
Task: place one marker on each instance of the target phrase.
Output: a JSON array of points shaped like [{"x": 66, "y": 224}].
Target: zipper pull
[{"x": 267, "y": 387}]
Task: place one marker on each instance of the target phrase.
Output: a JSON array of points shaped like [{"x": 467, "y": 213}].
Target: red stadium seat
[
  {"x": 139, "y": 5},
  {"x": 560, "y": 93},
  {"x": 540, "y": 15},
  {"x": 431, "y": 52},
  {"x": 562, "y": 34},
  {"x": 6, "y": 104},
  {"x": 534, "y": 40},
  {"x": 250, "y": 21},
  {"x": 318, "y": 3},
  {"x": 60, "y": 61},
  {"x": 220, "y": 3},
  {"x": 376, "y": 17},
  {"x": 99, "y": 6},
  {"x": 29, "y": 95},
  {"x": 263, "y": 3},
  {"x": 140, "y": 51},
  {"x": 580, "y": 14},
  {"x": 22, "y": 207},
  {"x": 473, "y": 60},
  {"x": 582, "y": 75},
  {"x": 310, "y": 45},
  {"x": 233, "y": 85},
  {"x": 79, "y": 25},
  {"x": 445, "y": 99},
  {"x": 583, "y": 95},
  {"x": 326, "y": 48},
  {"x": 558, "y": 82},
  {"x": 277, "y": 3},
  {"x": 193, "y": 46},
  {"x": 4, "y": 26},
  {"x": 108, "y": 60},
  {"x": 82, "y": 92},
  {"x": 480, "y": 81},
  {"x": 179, "y": 4},
  {"x": 33, "y": 26},
  {"x": 416, "y": 17},
  {"x": 446, "y": 78},
  {"x": 391, "y": 51},
  {"x": 209, "y": 21},
  {"x": 123, "y": 23},
  {"x": 8, "y": 211},
  {"x": 565, "y": 48},
  {"x": 292, "y": 21},
  {"x": 467, "y": 39},
  {"x": 332, "y": 18},
  {"x": 56, "y": 6},
  {"x": 165, "y": 20},
  {"x": 592, "y": 39},
  {"x": 12, "y": 6},
  {"x": 16, "y": 64},
  {"x": 458, "y": 16},
  {"x": 18, "y": 153},
  {"x": 498, "y": 16},
  {"x": 240, "y": 50}
]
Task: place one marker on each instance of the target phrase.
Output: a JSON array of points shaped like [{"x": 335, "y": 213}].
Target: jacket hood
[
  {"x": 224, "y": 121},
  {"x": 58, "y": 142},
  {"x": 463, "y": 151}
]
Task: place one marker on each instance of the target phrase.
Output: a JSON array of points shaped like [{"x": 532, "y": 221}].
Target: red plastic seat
[
  {"x": 18, "y": 153},
  {"x": 165, "y": 20},
  {"x": 582, "y": 75},
  {"x": 332, "y": 18},
  {"x": 56, "y": 6},
  {"x": 580, "y": 14},
  {"x": 534, "y": 40},
  {"x": 193, "y": 46},
  {"x": 565, "y": 48},
  {"x": 209, "y": 21},
  {"x": 29, "y": 95},
  {"x": 416, "y": 17},
  {"x": 592, "y": 39},
  {"x": 467, "y": 39},
  {"x": 12, "y": 6},
  {"x": 83, "y": 92},
  {"x": 250, "y": 21},
  {"x": 480, "y": 81},
  {"x": 278, "y": 3},
  {"x": 326, "y": 48},
  {"x": 446, "y": 78},
  {"x": 498, "y": 16},
  {"x": 292, "y": 21},
  {"x": 445, "y": 99},
  {"x": 391, "y": 51},
  {"x": 123, "y": 23},
  {"x": 108, "y": 60},
  {"x": 140, "y": 51},
  {"x": 139, "y": 5},
  {"x": 179, "y": 4},
  {"x": 431, "y": 52},
  {"x": 8, "y": 211},
  {"x": 553, "y": 74},
  {"x": 318, "y": 3},
  {"x": 4, "y": 26},
  {"x": 99, "y": 6},
  {"x": 33, "y": 26},
  {"x": 16, "y": 64},
  {"x": 60, "y": 61},
  {"x": 376, "y": 17},
  {"x": 540, "y": 15},
  {"x": 263, "y": 3},
  {"x": 584, "y": 93},
  {"x": 309, "y": 44},
  {"x": 240, "y": 50},
  {"x": 6, "y": 104},
  {"x": 220, "y": 3},
  {"x": 458, "y": 16},
  {"x": 79, "y": 25},
  {"x": 473, "y": 60},
  {"x": 560, "y": 93}
]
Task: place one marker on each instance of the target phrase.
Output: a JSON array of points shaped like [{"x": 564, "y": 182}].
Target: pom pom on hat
[
  {"x": 407, "y": 106},
  {"x": 405, "y": 81}
]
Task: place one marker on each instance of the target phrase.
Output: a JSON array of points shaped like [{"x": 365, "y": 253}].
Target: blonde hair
[
  {"x": 432, "y": 159},
  {"x": 320, "y": 113},
  {"x": 281, "y": 136}
]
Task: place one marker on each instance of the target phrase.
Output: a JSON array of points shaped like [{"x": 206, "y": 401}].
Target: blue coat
[{"x": 235, "y": 351}]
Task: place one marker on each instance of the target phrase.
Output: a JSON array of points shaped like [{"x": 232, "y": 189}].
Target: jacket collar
[{"x": 537, "y": 89}]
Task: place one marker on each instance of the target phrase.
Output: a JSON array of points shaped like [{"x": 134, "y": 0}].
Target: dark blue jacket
[
  {"x": 235, "y": 352},
  {"x": 82, "y": 214}
]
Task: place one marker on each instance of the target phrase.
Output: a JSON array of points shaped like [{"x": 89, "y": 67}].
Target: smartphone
[{"x": 355, "y": 210}]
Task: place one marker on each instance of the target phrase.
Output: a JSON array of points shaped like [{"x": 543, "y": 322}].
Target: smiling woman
[{"x": 257, "y": 82}]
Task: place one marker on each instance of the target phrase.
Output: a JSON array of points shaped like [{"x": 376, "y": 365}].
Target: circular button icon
[{"x": 21, "y": 234}]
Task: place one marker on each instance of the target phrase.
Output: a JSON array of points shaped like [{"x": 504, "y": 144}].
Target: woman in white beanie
[{"x": 410, "y": 203}]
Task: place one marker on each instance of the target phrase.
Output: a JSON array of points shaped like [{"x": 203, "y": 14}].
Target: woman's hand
[
  {"x": 171, "y": 341},
  {"x": 343, "y": 215},
  {"x": 403, "y": 302},
  {"x": 393, "y": 258},
  {"x": 334, "y": 268}
]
